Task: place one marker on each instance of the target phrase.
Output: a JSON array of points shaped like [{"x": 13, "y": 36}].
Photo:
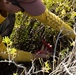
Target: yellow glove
[
  {"x": 50, "y": 19},
  {"x": 2, "y": 18}
]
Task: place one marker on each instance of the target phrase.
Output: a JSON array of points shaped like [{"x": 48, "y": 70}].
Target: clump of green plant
[
  {"x": 11, "y": 52},
  {"x": 28, "y": 33}
]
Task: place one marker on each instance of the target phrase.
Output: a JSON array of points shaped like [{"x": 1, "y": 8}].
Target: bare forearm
[{"x": 11, "y": 8}]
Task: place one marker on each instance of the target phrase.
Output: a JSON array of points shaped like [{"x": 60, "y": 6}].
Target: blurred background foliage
[{"x": 28, "y": 32}]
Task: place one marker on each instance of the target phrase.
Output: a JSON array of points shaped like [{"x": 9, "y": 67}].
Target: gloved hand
[
  {"x": 42, "y": 54},
  {"x": 0, "y": 38}
]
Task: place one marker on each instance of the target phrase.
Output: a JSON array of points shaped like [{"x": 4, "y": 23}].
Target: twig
[
  {"x": 66, "y": 69},
  {"x": 19, "y": 66},
  {"x": 31, "y": 67}
]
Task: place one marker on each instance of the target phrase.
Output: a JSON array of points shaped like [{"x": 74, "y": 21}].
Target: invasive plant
[{"x": 10, "y": 51}]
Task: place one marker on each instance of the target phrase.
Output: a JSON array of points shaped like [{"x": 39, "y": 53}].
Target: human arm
[
  {"x": 8, "y": 6},
  {"x": 21, "y": 56}
]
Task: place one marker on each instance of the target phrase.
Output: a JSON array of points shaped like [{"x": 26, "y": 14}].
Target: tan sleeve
[{"x": 2, "y": 18}]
